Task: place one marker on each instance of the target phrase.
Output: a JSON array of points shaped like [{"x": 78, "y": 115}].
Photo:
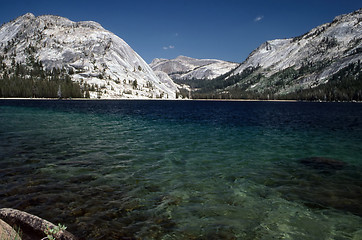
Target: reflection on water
[{"x": 184, "y": 170}]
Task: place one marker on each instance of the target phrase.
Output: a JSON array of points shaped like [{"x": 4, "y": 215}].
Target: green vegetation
[
  {"x": 204, "y": 88},
  {"x": 52, "y": 232},
  {"x": 134, "y": 84},
  {"x": 31, "y": 80},
  {"x": 345, "y": 85},
  {"x": 252, "y": 83},
  {"x": 205, "y": 85}
]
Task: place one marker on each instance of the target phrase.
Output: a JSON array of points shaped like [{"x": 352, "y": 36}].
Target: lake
[{"x": 138, "y": 169}]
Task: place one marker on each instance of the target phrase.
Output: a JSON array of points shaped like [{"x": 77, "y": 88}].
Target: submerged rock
[
  {"x": 31, "y": 227},
  {"x": 323, "y": 163},
  {"x": 340, "y": 188}
]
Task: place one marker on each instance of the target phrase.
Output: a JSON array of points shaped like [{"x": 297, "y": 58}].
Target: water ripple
[{"x": 183, "y": 170}]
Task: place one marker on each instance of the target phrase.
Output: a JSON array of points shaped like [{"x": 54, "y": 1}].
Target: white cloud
[
  {"x": 169, "y": 47},
  {"x": 258, "y": 18}
]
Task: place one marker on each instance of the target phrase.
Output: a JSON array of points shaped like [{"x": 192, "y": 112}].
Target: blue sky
[{"x": 223, "y": 29}]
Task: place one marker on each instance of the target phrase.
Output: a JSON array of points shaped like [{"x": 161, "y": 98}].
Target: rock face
[
  {"x": 190, "y": 68},
  {"x": 31, "y": 227},
  {"x": 165, "y": 79},
  {"x": 319, "y": 54},
  {"x": 87, "y": 51},
  {"x": 7, "y": 232}
]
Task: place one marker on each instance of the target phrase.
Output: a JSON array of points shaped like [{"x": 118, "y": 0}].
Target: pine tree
[
  {"x": 134, "y": 84},
  {"x": 59, "y": 92}
]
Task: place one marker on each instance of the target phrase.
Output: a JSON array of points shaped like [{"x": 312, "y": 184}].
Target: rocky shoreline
[{"x": 29, "y": 226}]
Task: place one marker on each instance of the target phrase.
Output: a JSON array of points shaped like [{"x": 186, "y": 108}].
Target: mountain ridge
[
  {"x": 283, "y": 67},
  {"x": 183, "y": 67}
]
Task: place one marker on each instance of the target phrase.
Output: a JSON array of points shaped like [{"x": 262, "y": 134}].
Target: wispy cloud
[
  {"x": 258, "y": 18},
  {"x": 168, "y": 47}
]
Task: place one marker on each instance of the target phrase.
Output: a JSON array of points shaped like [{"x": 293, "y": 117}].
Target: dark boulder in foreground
[
  {"x": 323, "y": 163},
  {"x": 31, "y": 227},
  {"x": 324, "y": 184}
]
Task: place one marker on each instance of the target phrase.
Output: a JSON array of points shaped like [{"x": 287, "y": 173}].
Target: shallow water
[{"x": 184, "y": 169}]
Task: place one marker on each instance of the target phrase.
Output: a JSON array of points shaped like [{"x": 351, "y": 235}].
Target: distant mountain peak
[
  {"x": 183, "y": 67},
  {"x": 184, "y": 58},
  {"x": 28, "y": 15}
]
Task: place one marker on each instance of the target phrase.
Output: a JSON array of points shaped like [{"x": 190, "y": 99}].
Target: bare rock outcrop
[
  {"x": 7, "y": 232},
  {"x": 31, "y": 226}
]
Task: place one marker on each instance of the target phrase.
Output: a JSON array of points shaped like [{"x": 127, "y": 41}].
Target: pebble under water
[{"x": 185, "y": 169}]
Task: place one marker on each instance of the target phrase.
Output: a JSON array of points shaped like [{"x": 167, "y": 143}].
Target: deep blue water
[{"x": 185, "y": 169}]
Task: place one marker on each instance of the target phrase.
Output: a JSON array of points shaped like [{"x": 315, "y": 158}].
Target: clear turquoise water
[{"x": 184, "y": 169}]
